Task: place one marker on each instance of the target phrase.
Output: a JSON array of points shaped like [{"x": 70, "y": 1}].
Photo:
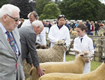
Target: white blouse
[{"x": 86, "y": 44}]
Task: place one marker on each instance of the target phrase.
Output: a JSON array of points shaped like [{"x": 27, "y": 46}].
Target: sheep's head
[
  {"x": 86, "y": 54},
  {"x": 61, "y": 43}
]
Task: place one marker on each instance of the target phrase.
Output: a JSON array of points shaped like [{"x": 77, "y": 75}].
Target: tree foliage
[
  {"x": 80, "y": 9},
  {"x": 2, "y": 2},
  {"x": 24, "y": 6},
  {"x": 101, "y": 12},
  {"x": 51, "y": 11},
  {"x": 40, "y": 6}
]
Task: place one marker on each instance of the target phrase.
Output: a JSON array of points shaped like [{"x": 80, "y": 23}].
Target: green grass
[
  {"x": 70, "y": 57},
  {"x": 94, "y": 64}
]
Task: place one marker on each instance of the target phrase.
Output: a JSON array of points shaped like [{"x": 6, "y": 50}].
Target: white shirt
[
  {"x": 41, "y": 38},
  {"x": 56, "y": 34},
  {"x": 26, "y": 23},
  {"x": 86, "y": 44}
]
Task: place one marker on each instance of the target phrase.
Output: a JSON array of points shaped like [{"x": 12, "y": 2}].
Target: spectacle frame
[{"x": 15, "y": 19}]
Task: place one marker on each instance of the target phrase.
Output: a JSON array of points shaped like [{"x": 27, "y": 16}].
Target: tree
[
  {"x": 24, "y": 6},
  {"x": 51, "y": 11},
  {"x": 101, "y": 11},
  {"x": 40, "y": 6},
  {"x": 80, "y": 9},
  {"x": 2, "y": 2}
]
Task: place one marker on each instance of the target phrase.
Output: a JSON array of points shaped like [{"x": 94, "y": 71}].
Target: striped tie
[{"x": 12, "y": 43}]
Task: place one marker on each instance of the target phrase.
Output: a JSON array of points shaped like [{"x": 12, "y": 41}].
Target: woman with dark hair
[
  {"x": 83, "y": 43},
  {"x": 59, "y": 32}
]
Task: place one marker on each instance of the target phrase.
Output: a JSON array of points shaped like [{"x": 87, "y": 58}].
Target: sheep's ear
[
  {"x": 30, "y": 72},
  {"x": 81, "y": 54},
  {"x": 60, "y": 42}
]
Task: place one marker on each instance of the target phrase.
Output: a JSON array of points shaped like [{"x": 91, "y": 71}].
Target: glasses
[
  {"x": 15, "y": 19},
  {"x": 61, "y": 16}
]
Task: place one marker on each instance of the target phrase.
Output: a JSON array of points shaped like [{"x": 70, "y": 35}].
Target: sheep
[
  {"x": 98, "y": 74},
  {"x": 75, "y": 66},
  {"x": 54, "y": 54},
  {"x": 26, "y": 69}
]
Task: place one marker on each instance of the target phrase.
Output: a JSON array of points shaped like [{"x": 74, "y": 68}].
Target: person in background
[
  {"x": 21, "y": 22},
  {"x": 28, "y": 38},
  {"x": 49, "y": 25},
  {"x": 73, "y": 26},
  {"x": 59, "y": 32},
  {"x": 80, "y": 22},
  {"x": 67, "y": 25},
  {"x": 92, "y": 28},
  {"x": 10, "y": 49},
  {"x": 83, "y": 43},
  {"x": 77, "y": 23},
  {"x": 96, "y": 28},
  {"x": 41, "y": 38},
  {"x": 88, "y": 27}
]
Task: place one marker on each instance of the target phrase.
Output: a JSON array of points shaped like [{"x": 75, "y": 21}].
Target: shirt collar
[
  {"x": 60, "y": 26},
  {"x": 3, "y": 28},
  {"x": 83, "y": 36}
]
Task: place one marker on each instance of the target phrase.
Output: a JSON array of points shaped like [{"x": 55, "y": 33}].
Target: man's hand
[{"x": 40, "y": 71}]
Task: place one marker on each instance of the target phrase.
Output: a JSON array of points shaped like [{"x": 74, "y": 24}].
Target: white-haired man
[
  {"x": 10, "y": 48},
  {"x": 28, "y": 38}
]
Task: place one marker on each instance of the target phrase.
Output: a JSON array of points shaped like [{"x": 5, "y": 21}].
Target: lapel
[{"x": 5, "y": 42}]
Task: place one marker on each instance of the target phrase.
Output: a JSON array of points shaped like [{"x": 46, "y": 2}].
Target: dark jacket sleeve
[
  {"x": 28, "y": 58},
  {"x": 32, "y": 50}
]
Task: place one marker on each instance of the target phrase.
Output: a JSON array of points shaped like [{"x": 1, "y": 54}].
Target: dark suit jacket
[
  {"x": 28, "y": 38},
  {"x": 8, "y": 59}
]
